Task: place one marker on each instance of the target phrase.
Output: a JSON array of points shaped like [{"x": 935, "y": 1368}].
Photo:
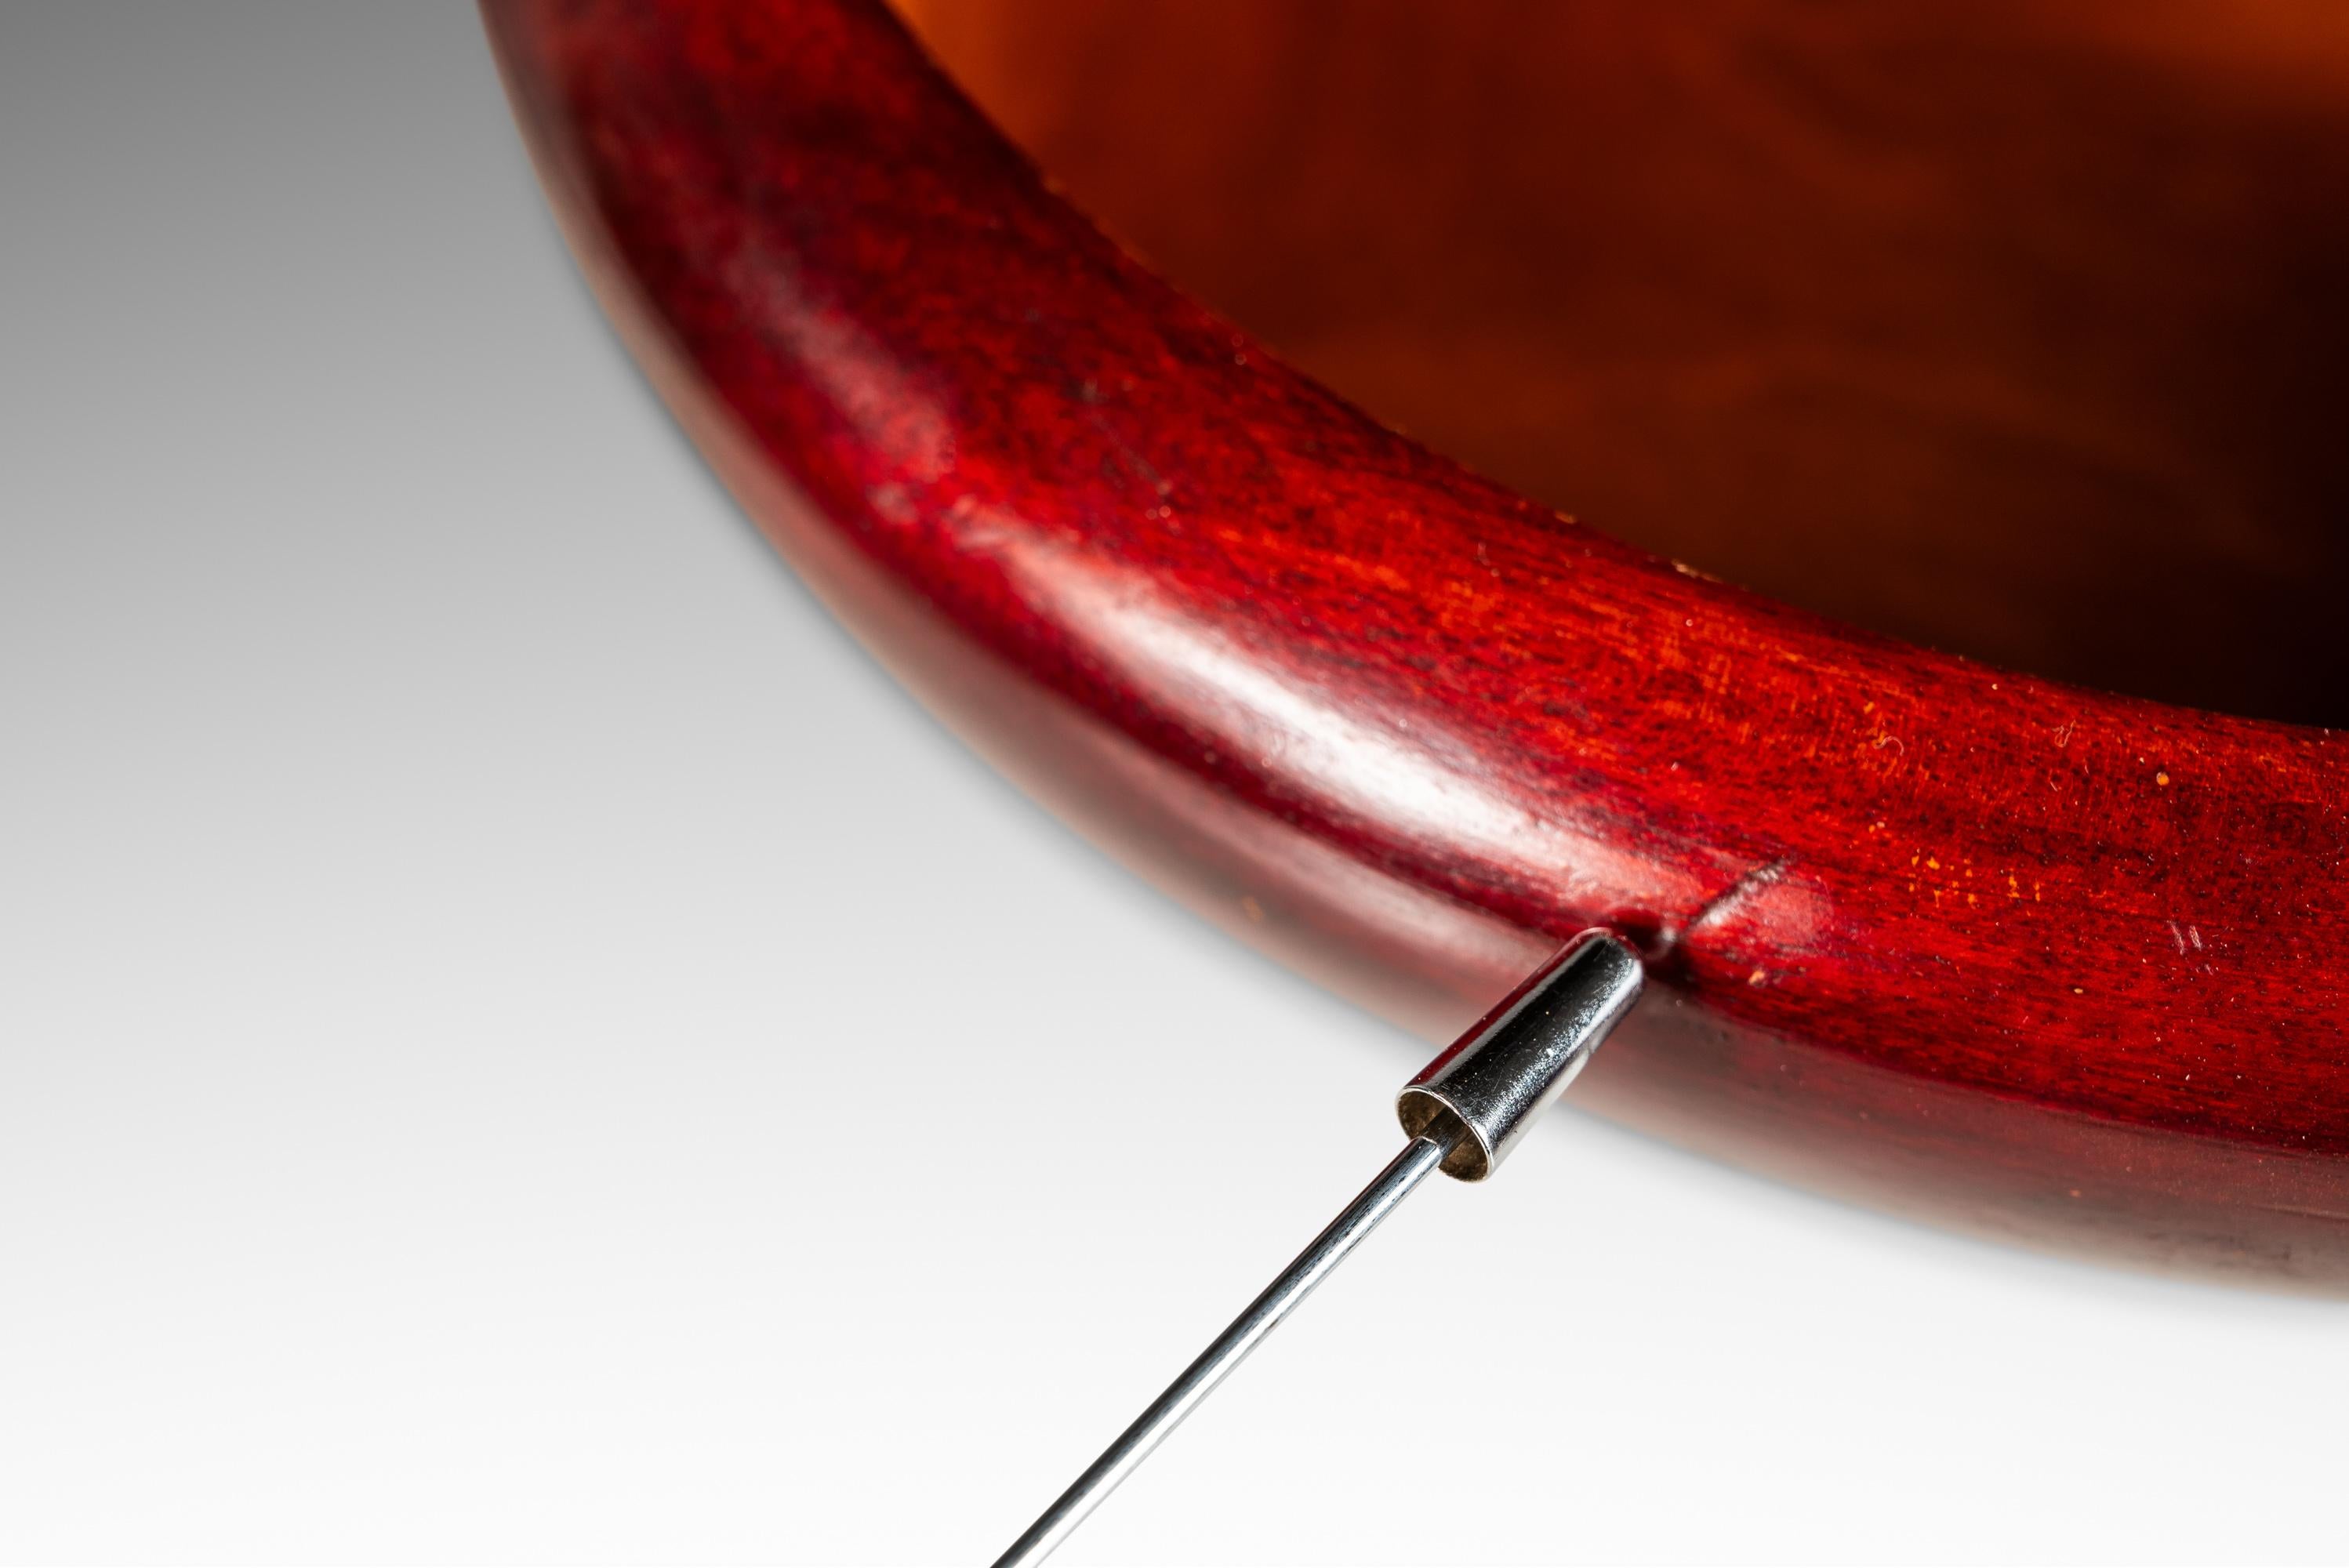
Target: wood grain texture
[
  {"x": 2060, "y": 965},
  {"x": 2018, "y": 330}
]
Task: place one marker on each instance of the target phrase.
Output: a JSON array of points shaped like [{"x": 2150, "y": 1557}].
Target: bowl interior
[{"x": 2019, "y": 330}]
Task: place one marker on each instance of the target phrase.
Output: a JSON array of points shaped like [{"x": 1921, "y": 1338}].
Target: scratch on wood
[{"x": 1738, "y": 895}]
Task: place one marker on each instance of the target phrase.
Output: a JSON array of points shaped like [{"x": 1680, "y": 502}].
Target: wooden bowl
[{"x": 1950, "y": 333}]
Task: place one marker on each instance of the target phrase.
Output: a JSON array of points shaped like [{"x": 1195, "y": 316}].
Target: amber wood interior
[{"x": 2010, "y": 328}]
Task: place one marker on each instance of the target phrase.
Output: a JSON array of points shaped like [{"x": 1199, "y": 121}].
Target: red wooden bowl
[{"x": 1998, "y": 331}]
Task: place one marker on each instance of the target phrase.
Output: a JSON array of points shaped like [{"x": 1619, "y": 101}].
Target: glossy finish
[
  {"x": 2012, "y": 329},
  {"x": 1487, "y": 1087},
  {"x": 2058, "y": 965}
]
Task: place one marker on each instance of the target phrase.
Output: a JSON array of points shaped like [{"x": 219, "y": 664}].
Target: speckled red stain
[{"x": 1911, "y": 918}]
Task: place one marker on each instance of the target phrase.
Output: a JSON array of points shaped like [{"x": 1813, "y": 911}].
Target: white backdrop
[{"x": 518, "y": 1043}]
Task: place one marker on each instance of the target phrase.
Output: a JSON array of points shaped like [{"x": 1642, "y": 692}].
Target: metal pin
[{"x": 1464, "y": 1113}]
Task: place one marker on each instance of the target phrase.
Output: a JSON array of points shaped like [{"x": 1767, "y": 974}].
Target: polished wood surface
[
  {"x": 2017, "y": 329},
  {"x": 2060, "y": 965}
]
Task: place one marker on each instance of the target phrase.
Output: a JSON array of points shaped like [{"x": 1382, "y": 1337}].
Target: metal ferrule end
[
  {"x": 1466, "y": 1109},
  {"x": 1482, "y": 1094}
]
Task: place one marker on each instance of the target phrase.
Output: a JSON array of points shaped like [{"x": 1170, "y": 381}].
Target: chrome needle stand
[
  {"x": 1419, "y": 1157},
  {"x": 1462, "y": 1113}
]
